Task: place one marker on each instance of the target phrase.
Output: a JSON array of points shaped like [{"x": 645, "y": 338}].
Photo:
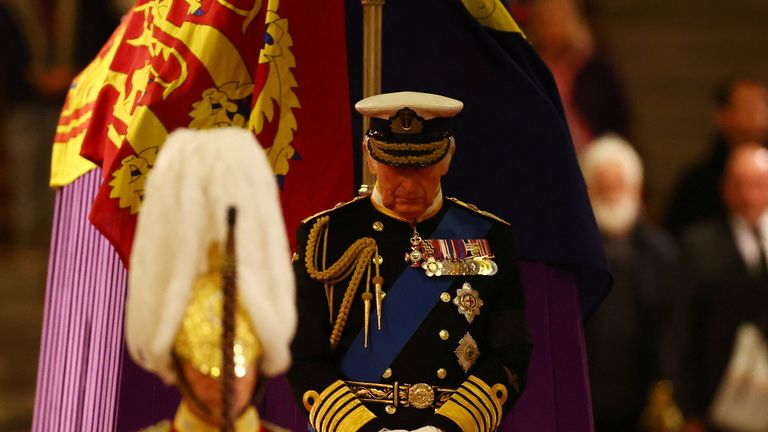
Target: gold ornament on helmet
[{"x": 199, "y": 337}]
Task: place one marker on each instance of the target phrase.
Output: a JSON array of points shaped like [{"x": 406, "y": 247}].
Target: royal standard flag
[{"x": 202, "y": 64}]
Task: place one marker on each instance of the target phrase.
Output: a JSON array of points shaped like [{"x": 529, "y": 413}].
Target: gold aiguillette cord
[{"x": 378, "y": 282}]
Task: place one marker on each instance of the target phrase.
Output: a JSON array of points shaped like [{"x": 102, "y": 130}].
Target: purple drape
[
  {"x": 79, "y": 365},
  {"x": 557, "y": 396}
]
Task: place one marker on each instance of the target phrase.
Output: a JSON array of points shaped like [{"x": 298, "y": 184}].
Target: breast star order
[{"x": 468, "y": 301}]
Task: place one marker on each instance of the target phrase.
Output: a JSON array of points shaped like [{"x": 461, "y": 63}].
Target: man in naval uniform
[
  {"x": 210, "y": 268},
  {"x": 436, "y": 342}
]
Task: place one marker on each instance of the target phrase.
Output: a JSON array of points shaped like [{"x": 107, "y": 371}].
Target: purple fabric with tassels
[{"x": 79, "y": 365}]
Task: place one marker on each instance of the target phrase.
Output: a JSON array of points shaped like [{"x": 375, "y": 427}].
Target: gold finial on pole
[
  {"x": 372, "y": 29},
  {"x": 662, "y": 414}
]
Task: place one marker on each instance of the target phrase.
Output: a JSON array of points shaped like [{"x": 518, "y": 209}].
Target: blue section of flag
[{"x": 514, "y": 154}]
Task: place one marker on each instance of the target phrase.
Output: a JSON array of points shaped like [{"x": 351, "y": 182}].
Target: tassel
[
  {"x": 367, "y": 305},
  {"x": 378, "y": 281}
]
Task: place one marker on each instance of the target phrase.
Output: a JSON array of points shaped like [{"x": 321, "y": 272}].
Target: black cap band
[{"x": 406, "y": 139}]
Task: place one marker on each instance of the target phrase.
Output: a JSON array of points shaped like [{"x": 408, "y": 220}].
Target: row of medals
[{"x": 470, "y": 266}]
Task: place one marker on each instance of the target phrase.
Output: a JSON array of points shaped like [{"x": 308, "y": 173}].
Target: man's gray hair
[{"x": 612, "y": 148}]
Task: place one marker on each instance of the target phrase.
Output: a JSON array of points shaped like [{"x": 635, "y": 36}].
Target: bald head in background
[
  {"x": 745, "y": 184},
  {"x": 727, "y": 272}
]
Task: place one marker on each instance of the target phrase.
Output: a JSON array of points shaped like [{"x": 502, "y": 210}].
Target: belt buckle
[{"x": 421, "y": 396}]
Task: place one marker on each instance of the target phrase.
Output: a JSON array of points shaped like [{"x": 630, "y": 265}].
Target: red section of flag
[
  {"x": 171, "y": 59},
  {"x": 322, "y": 171}
]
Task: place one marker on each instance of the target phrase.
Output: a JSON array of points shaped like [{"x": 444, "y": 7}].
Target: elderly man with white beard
[{"x": 628, "y": 338}]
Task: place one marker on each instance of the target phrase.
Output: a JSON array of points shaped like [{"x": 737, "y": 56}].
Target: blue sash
[{"x": 407, "y": 304}]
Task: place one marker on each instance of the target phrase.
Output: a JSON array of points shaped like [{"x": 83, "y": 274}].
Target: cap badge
[{"x": 406, "y": 122}]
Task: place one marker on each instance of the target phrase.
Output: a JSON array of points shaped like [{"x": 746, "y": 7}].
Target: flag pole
[
  {"x": 372, "y": 28},
  {"x": 228, "y": 325}
]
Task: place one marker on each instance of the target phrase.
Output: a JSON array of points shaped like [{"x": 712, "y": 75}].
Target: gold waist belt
[{"x": 399, "y": 394}]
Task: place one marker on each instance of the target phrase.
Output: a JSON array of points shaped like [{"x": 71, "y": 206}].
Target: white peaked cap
[
  {"x": 425, "y": 105},
  {"x": 198, "y": 175}
]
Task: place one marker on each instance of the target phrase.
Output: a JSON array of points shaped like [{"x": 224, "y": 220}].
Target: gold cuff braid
[
  {"x": 475, "y": 405},
  {"x": 337, "y": 409}
]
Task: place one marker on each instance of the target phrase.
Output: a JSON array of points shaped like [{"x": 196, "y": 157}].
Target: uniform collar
[
  {"x": 378, "y": 203},
  {"x": 186, "y": 421}
]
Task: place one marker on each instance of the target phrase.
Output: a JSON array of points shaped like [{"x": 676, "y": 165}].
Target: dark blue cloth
[{"x": 514, "y": 154}]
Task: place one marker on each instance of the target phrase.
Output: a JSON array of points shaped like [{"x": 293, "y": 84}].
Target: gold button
[
  {"x": 442, "y": 373},
  {"x": 390, "y": 409},
  {"x": 445, "y": 297},
  {"x": 387, "y": 373},
  {"x": 444, "y": 334},
  {"x": 378, "y": 226},
  {"x": 377, "y": 259}
]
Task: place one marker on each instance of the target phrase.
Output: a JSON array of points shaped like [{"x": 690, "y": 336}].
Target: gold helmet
[{"x": 199, "y": 339}]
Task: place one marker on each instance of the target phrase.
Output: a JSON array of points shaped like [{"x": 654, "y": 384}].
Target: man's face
[
  {"x": 208, "y": 392},
  {"x": 615, "y": 200},
  {"x": 745, "y": 118},
  {"x": 555, "y": 29},
  {"x": 745, "y": 187},
  {"x": 408, "y": 191}
]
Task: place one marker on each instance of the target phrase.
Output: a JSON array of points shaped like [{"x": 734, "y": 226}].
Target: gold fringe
[{"x": 437, "y": 151}]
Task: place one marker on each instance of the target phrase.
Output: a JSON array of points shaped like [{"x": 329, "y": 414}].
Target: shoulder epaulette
[
  {"x": 339, "y": 205},
  {"x": 477, "y": 210}
]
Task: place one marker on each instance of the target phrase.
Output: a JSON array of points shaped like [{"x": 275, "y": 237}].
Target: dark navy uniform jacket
[{"x": 500, "y": 330}]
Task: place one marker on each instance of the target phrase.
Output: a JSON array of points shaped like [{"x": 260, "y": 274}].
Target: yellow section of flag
[
  {"x": 492, "y": 14},
  {"x": 66, "y": 163}
]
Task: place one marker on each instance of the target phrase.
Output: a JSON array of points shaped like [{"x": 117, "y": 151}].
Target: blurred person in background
[
  {"x": 11, "y": 84},
  {"x": 726, "y": 258},
  {"x": 592, "y": 94},
  {"x": 627, "y": 338},
  {"x": 741, "y": 117},
  {"x": 45, "y": 46}
]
